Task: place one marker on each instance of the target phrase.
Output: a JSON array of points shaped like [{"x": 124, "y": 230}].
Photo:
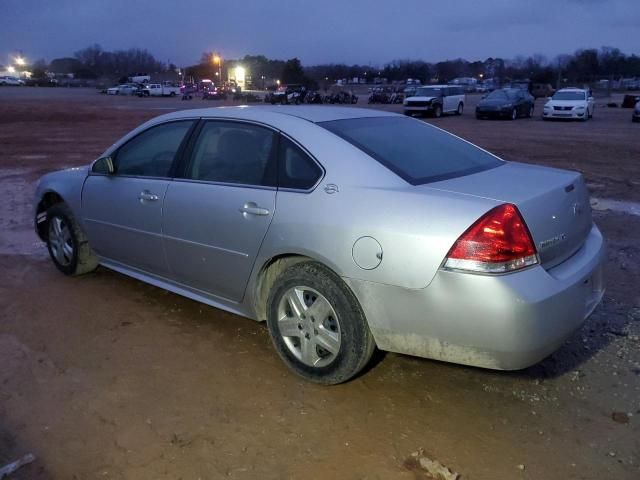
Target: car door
[
  {"x": 122, "y": 211},
  {"x": 217, "y": 214},
  {"x": 446, "y": 99},
  {"x": 520, "y": 102}
]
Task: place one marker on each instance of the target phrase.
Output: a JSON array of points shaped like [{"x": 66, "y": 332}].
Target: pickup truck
[{"x": 159, "y": 90}]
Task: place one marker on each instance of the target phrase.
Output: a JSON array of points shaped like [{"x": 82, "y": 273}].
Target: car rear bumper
[{"x": 505, "y": 322}]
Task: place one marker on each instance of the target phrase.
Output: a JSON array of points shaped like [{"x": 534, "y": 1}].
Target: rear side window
[
  {"x": 234, "y": 152},
  {"x": 151, "y": 154},
  {"x": 296, "y": 170},
  {"x": 414, "y": 150}
]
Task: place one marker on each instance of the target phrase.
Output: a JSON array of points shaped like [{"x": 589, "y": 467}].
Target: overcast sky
[{"x": 326, "y": 31}]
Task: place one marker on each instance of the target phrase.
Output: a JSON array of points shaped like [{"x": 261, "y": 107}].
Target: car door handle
[
  {"x": 148, "y": 196},
  {"x": 251, "y": 208}
]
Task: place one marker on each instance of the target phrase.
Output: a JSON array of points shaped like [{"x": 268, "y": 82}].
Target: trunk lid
[{"x": 554, "y": 204}]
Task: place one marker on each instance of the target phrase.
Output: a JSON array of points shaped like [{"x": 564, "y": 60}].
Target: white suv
[
  {"x": 570, "y": 103},
  {"x": 436, "y": 100}
]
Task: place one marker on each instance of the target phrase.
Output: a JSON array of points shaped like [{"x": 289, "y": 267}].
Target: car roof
[
  {"x": 266, "y": 113},
  {"x": 572, "y": 89}
]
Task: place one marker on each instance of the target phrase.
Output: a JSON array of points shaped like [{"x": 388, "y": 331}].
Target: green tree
[{"x": 292, "y": 72}]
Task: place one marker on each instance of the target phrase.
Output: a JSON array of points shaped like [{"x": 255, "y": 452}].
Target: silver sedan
[{"x": 345, "y": 229}]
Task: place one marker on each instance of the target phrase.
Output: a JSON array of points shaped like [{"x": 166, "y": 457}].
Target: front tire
[
  {"x": 437, "y": 111},
  {"x": 460, "y": 109},
  {"x": 514, "y": 114},
  {"x": 67, "y": 243},
  {"x": 317, "y": 325}
]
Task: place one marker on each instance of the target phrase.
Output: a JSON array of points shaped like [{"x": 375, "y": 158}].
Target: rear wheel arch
[{"x": 269, "y": 273}]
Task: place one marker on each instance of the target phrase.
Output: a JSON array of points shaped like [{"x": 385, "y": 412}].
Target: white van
[{"x": 436, "y": 100}]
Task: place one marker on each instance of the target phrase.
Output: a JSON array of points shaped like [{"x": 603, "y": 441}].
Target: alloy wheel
[
  {"x": 60, "y": 241},
  {"x": 309, "y": 326}
]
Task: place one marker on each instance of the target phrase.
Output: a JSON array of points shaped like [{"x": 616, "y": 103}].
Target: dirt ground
[{"x": 106, "y": 377}]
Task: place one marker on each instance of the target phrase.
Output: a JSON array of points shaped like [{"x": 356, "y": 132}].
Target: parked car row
[
  {"x": 386, "y": 95},
  {"x": 165, "y": 89},
  {"x": 297, "y": 94},
  {"x": 509, "y": 103}
]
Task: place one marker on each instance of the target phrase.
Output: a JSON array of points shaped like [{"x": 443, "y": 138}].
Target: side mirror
[
  {"x": 591, "y": 99},
  {"x": 104, "y": 166}
]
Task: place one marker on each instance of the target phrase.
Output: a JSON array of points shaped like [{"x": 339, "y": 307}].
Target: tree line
[{"x": 584, "y": 65}]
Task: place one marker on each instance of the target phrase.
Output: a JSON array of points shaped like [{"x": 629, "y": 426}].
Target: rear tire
[
  {"x": 317, "y": 325},
  {"x": 460, "y": 109},
  {"x": 67, "y": 243},
  {"x": 514, "y": 114},
  {"x": 530, "y": 112}
]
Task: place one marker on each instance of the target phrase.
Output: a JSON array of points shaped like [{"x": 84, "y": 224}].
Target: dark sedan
[{"x": 508, "y": 103}]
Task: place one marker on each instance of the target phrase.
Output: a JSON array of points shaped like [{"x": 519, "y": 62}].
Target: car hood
[
  {"x": 494, "y": 102},
  {"x": 566, "y": 103},
  {"x": 421, "y": 99}
]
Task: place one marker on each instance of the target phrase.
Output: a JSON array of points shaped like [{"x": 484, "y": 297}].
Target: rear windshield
[{"x": 412, "y": 149}]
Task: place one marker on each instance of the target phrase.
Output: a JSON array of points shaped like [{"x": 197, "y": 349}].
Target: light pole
[{"x": 218, "y": 61}]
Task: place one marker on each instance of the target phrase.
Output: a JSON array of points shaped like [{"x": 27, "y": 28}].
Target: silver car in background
[{"x": 345, "y": 229}]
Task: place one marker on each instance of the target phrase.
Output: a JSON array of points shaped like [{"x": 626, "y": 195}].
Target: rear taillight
[{"x": 498, "y": 242}]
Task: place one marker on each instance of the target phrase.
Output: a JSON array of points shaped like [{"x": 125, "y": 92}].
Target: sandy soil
[{"x": 106, "y": 377}]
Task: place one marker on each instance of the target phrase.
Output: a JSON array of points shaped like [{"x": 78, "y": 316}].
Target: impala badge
[
  {"x": 331, "y": 188},
  {"x": 545, "y": 244}
]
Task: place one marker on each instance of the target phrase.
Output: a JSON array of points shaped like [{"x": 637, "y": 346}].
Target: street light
[
  {"x": 10, "y": 69},
  {"x": 20, "y": 61},
  {"x": 218, "y": 61}
]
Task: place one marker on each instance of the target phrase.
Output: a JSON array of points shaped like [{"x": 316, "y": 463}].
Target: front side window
[
  {"x": 152, "y": 153},
  {"x": 233, "y": 152},
  {"x": 297, "y": 170}
]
